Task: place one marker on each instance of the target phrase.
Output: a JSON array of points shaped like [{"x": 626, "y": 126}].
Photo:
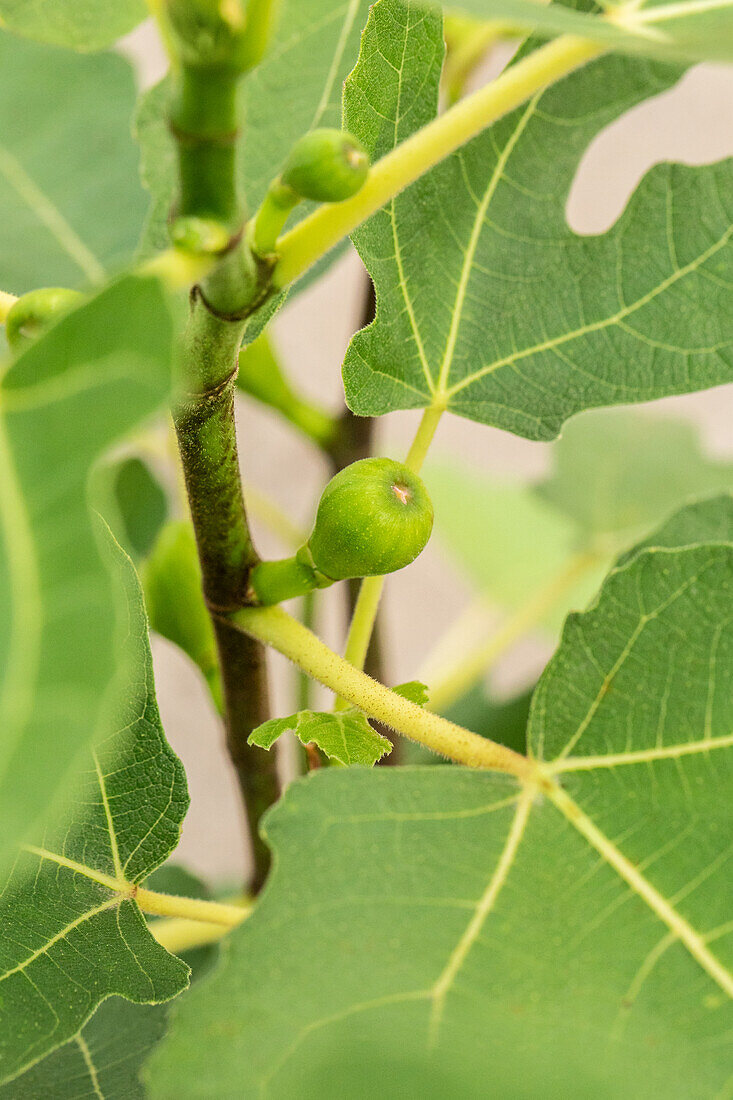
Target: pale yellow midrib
[
  {"x": 478, "y": 225},
  {"x": 49, "y": 214},
  {"x": 61, "y": 935},
  {"x": 116, "y": 884},
  {"x": 641, "y": 756},
  {"x": 89, "y": 1063},
  {"x": 346, "y": 27},
  {"x": 484, "y": 907},
  {"x": 594, "y": 326},
  {"x": 114, "y": 848},
  {"x": 660, "y": 906}
]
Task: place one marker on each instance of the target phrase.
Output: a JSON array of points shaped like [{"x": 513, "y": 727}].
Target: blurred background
[{"x": 472, "y": 580}]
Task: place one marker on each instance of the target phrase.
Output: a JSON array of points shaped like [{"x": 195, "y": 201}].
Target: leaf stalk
[{"x": 274, "y": 627}]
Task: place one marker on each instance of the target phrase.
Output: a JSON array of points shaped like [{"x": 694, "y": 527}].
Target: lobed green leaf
[
  {"x": 693, "y": 30},
  {"x": 569, "y": 940},
  {"x": 78, "y": 24},
  {"x": 705, "y": 521},
  {"x": 343, "y": 735},
  {"x": 73, "y": 933},
  {"x": 487, "y": 301},
  {"x": 107, "y": 1054},
  {"x": 103, "y": 1059},
  {"x": 69, "y": 191},
  {"x": 90, "y": 380}
]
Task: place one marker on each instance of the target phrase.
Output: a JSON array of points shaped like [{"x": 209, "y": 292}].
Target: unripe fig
[
  {"x": 374, "y": 517},
  {"x": 326, "y": 166},
  {"x": 35, "y": 311}
]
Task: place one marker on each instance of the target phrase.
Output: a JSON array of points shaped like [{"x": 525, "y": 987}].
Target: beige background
[{"x": 692, "y": 123}]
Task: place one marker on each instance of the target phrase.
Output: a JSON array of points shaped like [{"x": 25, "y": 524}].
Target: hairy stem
[
  {"x": 177, "y": 934},
  {"x": 276, "y": 628},
  {"x": 193, "y": 909},
  {"x": 204, "y": 421},
  {"x": 204, "y": 124},
  {"x": 317, "y": 234}
]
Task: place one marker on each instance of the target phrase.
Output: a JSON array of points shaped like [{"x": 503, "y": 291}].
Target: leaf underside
[
  {"x": 78, "y": 24},
  {"x": 70, "y": 938},
  {"x": 467, "y": 937},
  {"x": 695, "y": 30},
  {"x": 486, "y": 299},
  {"x": 67, "y": 160},
  {"x": 63, "y": 403}
]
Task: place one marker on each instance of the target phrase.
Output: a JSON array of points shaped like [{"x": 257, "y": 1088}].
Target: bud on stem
[{"x": 324, "y": 166}]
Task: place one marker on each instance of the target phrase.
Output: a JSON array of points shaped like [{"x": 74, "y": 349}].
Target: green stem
[
  {"x": 362, "y": 624},
  {"x": 204, "y": 422},
  {"x": 424, "y": 437},
  {"x": 204, "y": 123},
  {"x": 317, "y": 234},
  {"x": 177, "y": 934},
  {"x": 307, "y": 617},
  {"x": 205, "y": 126},
  {"x": 275, "y": 581},
  {"x": 261, "y": 16},
  {"x": 276, "y": 628},
  {"x": 269, "y": 221}
]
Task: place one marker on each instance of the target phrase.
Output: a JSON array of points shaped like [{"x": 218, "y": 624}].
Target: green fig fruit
[
  {"x": 34, "y": 312},
  {"x": 374, "y": 517},
  {"x": 326, "y": 166}
]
